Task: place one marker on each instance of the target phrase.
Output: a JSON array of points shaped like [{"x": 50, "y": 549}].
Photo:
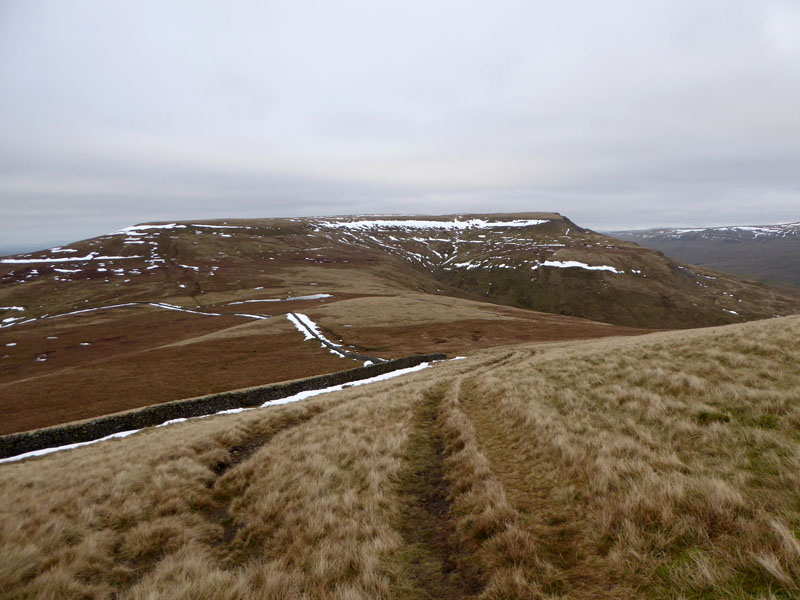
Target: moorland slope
[
  {"x": 656, "y": 466},
  {"x": 158, "y": 312}
]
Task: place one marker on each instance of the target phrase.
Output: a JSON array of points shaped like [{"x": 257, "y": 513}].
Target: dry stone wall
[{"x": 93, "y": 429}]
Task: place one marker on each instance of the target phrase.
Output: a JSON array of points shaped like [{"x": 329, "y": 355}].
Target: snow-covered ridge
[
  {"x": 142, "y": 229},
  {"x": 379, "y": 224},
  {"x": 779, "y": 230}
]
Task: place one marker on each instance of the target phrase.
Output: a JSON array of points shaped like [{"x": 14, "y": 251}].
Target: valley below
[{"x": 768, "y": 253}]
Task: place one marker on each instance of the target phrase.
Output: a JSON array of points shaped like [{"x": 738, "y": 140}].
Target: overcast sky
[{"x": 618, "y": 114}]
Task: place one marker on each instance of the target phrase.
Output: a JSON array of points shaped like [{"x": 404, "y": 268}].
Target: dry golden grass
[
  {"x": 661, "y": 466},
  {"x": 488, "y": 525},
  {"x": 665, "y": 466},
  {"x": 294, "y": 501}
]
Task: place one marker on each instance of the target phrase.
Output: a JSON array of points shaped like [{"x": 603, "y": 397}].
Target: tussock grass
[
  {"x": 294, "y": 501},
  {"x": 488, "y": 525},
  {"x": 668, "y": 466},
  {"x": 662, "y": 466}
]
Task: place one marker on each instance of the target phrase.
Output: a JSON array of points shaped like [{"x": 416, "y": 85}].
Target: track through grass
[
  {"x": 431, "y": 554},
  {"x": 224, "y": 492}
]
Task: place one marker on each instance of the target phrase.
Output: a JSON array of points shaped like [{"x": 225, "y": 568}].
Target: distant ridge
[
  {"x": 533, "y": 260},
  {"x": 769, "y": 253}
]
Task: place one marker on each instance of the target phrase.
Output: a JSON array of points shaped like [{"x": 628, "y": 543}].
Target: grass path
[{"x": 431, "y": 550}]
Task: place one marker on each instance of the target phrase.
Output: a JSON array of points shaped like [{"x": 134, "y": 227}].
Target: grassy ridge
[{"x": 661, "y": 466}]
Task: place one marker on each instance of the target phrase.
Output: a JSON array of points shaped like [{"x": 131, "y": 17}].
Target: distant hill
[
  {"x": 162, "y": 311},
  {"x": 539, "y": 261},
  {"x": 769, "y": 253}
]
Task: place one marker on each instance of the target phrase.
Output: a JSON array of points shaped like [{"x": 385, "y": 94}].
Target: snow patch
[
  {"x": 44, "y": 451},
  {"x": 220, "y": 226},
  {"x": 336, "y": 388},
  {"x": 468, "y": 265},
  {"x": 314, "y": 328},
  {"x": 89, "y": 257},
  {"x": 421, "y": 224},
  {"x": 180, "y": 309},
  {"x": 163, "y": 305},
  {"x": 307, "y": 334},
  {"x": 570, "y": 264},
  {"x": 311, "y": 330},
  {"x": 289, "y": 299},
  {"x": 138, "y": 229}
]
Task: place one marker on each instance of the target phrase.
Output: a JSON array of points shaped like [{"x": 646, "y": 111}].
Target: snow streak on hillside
[
  {"x": 414, "y": 224},
  {"x": 47, "y": 259},
  {"x": 574, "y": 264}
]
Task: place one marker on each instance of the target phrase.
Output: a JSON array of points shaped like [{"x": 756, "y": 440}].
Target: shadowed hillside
[{"x": 769, "y": 253}]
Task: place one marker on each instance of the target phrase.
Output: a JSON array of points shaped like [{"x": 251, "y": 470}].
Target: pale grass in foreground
[
  {"x": 665, "y": 466},
  {"x": 661, "y": 467}
]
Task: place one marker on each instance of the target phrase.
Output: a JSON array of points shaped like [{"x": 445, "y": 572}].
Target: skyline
[{"x": 10, "y": 249}]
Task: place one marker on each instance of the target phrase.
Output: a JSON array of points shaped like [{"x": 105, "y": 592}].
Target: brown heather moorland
[
  {"x": 139, "y": 355},
  {"x": 155, "y": 313},
  {"x": 658, "y": 466}
]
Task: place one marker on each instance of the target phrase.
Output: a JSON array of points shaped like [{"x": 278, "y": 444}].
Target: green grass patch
[
  {"x": 707, "y": 417},
  {"x": 767, "y": 421}
]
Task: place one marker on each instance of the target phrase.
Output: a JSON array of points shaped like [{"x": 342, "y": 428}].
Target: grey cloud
[{"x": 617, "y": 114}]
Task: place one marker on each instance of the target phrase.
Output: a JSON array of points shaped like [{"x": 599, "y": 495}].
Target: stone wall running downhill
[{"x": 92, "y": 429}]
